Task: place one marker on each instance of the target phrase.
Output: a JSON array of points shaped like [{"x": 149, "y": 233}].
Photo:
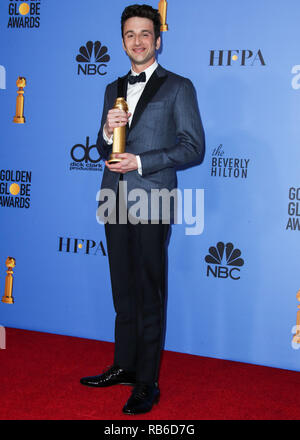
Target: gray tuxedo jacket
[{"x": 166, "y": 132}]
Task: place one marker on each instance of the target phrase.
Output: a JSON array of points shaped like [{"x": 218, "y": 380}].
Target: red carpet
[{"x": 40, "y": 380}]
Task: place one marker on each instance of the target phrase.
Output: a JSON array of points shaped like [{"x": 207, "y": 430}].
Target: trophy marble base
[
  {"x": 7, "y": 300},
  {"x": 19, "y": 120},
  {"x": 296, "y": 339},
  {"x": 113, "y": 159}
]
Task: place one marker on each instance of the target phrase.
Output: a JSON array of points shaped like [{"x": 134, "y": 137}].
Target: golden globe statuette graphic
[
  {"x": 10, "y": 264},
  {"x": 119, "y": 141},
  {"x": 162, "y": 8},
  {"x": 14, "y": 189},
  {"x": 296, "y": 338},
  {"x": 24, "y": 8},
  {"x": 19, "y": 117}
]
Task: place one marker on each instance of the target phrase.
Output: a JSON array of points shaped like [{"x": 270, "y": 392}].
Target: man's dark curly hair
[{"x": 144, "y": 11}]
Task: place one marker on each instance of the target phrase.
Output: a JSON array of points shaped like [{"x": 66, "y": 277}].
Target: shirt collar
[{"x": 148, "y": 71}]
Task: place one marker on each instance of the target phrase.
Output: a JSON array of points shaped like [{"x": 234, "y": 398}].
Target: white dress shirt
[{"x": 134, "y": 92}]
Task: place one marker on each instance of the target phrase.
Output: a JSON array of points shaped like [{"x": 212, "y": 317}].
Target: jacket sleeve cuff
[
  {"x": 140, "y": 171},
  {"x": 108, "y": 140}
]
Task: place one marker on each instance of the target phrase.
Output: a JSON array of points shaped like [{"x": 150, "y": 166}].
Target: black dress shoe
[
  {"x": 113, "y": 376},
  {"x": 142, "y": 399}
]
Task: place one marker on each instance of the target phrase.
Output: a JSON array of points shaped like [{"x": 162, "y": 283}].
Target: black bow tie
[{"x": 132, "y": 79}]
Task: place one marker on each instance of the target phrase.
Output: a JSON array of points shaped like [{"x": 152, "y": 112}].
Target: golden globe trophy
[
  {"x": 296, "y": 337},
  {"x": 19, "y": 117},
  {"x": 10, "y": 264},
  {"x": 119, "y": 141},
  {"x": 162, "y": 8}
]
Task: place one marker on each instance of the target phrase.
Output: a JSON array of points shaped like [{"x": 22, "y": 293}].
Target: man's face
[{"x": 139, "y": 42}]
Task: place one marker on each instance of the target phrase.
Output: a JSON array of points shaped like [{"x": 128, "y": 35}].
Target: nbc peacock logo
[
  {"x": 217, "y": 255},
  {"x": 92, "y": 59}
]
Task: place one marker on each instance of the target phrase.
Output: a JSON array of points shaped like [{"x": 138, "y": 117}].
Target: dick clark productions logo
[
  {"x": 216, "y": 257},
  {"x": 85, "y": 157},
  {"x": 84, "y": 58}
]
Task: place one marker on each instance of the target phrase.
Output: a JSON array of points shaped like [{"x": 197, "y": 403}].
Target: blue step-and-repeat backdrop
[{"x": 233, "y": 279}]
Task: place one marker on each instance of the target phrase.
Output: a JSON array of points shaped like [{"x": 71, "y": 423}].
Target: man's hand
[
  {"x": 129, "y": 163},
  {"x": 115, "y": 118}
]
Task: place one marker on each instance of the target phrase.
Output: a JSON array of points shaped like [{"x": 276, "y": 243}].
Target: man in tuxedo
[{"x": 164, "y": 131}]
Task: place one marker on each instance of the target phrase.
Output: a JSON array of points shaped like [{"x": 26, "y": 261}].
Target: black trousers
[{"x": 137, "y": 257}]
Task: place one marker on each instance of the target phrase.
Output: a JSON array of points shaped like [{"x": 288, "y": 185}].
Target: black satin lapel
[
  {"x": 150, "y": 90},
  {"x": 122, "y": 87},
  {"x": 122, "y": 92}
]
